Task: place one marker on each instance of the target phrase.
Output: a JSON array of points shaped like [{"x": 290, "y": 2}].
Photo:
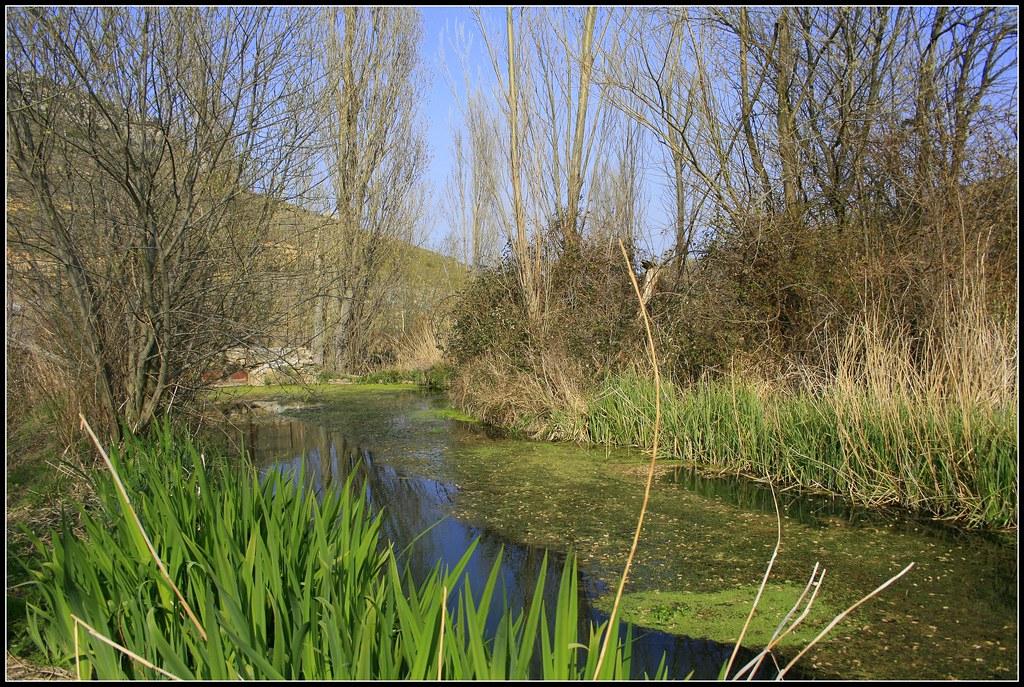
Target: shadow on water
[
  {"x": 815, "y": 511},
  {"x": 416, "y": 511},
  {"x": 811, "y": 509}
]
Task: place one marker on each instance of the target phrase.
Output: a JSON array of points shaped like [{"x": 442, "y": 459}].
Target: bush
[
  {"x": 488, "y": 315},
  {"x": 592, "y": 311}
]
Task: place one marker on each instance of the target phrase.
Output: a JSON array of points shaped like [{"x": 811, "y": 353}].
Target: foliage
[
  {"x": 435, "y": 377},
  {"x": 889, "y": 411},
  {"x": 284, "y": 586},
  {"x": 488, "y": 315},
  {"x": 591, "y": 306}
]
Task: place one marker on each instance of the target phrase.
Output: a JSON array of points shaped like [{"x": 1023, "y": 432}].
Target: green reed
[
  {"x": 283, "y": 586},
  {"x": 947, "y": 458}
]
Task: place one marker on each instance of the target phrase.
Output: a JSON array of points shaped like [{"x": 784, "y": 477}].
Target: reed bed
[
  {"x": 928, "y": 422},
  {"x": 200, "y": 569},
  {"x": 940, "y": 458}
]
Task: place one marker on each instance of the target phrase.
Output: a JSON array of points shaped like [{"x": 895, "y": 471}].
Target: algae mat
[
  {"x": 953, "y": 616},
  {"x": 720, "y": 615}
]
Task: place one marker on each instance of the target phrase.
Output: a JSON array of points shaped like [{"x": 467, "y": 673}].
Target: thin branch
[{"x": 650, "y": 469}]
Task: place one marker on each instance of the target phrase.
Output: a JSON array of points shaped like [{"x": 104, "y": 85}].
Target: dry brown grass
[
  {"x": 419, "y": 349},
  {"x": 544, "y": 401},
  {"x": 923, "y": 420},
  {"x": 967, "y": 357},
  {"x": 20, "y": 669}
]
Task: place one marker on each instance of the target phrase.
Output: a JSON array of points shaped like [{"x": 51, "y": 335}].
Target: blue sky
[
  {"x": 441, "y": 43},
  {"x": 441, "y": 38}
]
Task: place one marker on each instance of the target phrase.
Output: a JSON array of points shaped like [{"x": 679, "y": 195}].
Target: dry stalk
[
  {"x": 18, "y": 668},
  {"x": 838, "y": 618},
  {"x": 127, "y": 652},
  {"x": 780, "y": 634},
  {"x": 764, "y": 582},
  {"x": 650, "y": 470}
]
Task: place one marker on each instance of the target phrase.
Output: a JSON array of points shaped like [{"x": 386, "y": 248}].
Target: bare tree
[
  {"x": 565, "y": 123},
  {"x": 643, "y": 76},
  {"x": 154, "y": 147},
  {"x": 967, "y": 53},
  {"x": 616, "y": 212},
  {"x": 555, "y": 123},
  {"x": 509, "y": 74},
  {"x": 471, "y": 193},
  {"x": 585, "y": 60},
  {"x": 376, "y": 156}
]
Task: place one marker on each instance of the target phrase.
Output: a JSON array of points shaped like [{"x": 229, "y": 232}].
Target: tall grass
[
  {"x": 940, "y": 459},
  {"x": 928, "y": 424},
  {"x": 420, "y": 349},
  {"x": 283, "y": 586},
  {"x": 436, "y": 377},
  {"x": 546, "y": 399}
]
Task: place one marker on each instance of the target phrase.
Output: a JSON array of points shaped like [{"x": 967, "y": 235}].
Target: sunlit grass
[
  {"x": 283, "y": 586},
  {"x": 309, "y": 392},
  {"x": 944, "y": 458}
]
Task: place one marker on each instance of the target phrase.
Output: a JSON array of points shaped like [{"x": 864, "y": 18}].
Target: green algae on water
[
  {"x": 719, "y": 616},
  {"x": 444, "y": 414},
  {"x": 704, "y": 537}
]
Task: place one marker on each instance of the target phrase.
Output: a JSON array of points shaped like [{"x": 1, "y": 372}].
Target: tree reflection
[{"x": 416, "y": 519}]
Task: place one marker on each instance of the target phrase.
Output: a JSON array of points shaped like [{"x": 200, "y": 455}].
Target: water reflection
[
  {"x": 702, "y": 535},
  {"x": 417, "y": 520}
]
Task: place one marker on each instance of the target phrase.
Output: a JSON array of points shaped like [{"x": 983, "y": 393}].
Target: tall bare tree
[
  {"x": 471, "y": 193},
  {"x": 566, "y": 119},
  {"x": 376, "y": 156},
  {"x": 153, "y": 147},
  {"x": 616, "y": 209},
  {"x": 644, "y": 76},
  {"x": 508, "y": 71},
  {"x": 555, "y": 121}
]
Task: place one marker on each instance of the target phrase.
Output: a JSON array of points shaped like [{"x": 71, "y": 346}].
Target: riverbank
[
  {"x": 942, "y": 458},
  {"x": 703, "y": 550},
  {"x": 705, "y": 545},
  {"x": 920, "y": 454},
  {"x": 275, "y": 581},
  {"x": 45, "y": 479}
]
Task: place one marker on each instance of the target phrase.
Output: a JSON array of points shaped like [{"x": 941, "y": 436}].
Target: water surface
[{"x": 444, "y": 483}]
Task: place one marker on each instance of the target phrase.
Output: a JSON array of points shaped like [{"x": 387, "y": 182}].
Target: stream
[{"x": 444, "y": 481}]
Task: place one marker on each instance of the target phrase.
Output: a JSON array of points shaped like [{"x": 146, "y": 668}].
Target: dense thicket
[
  {"x": 843, "y": 192},
  {"x": 826, "y": 162}
]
